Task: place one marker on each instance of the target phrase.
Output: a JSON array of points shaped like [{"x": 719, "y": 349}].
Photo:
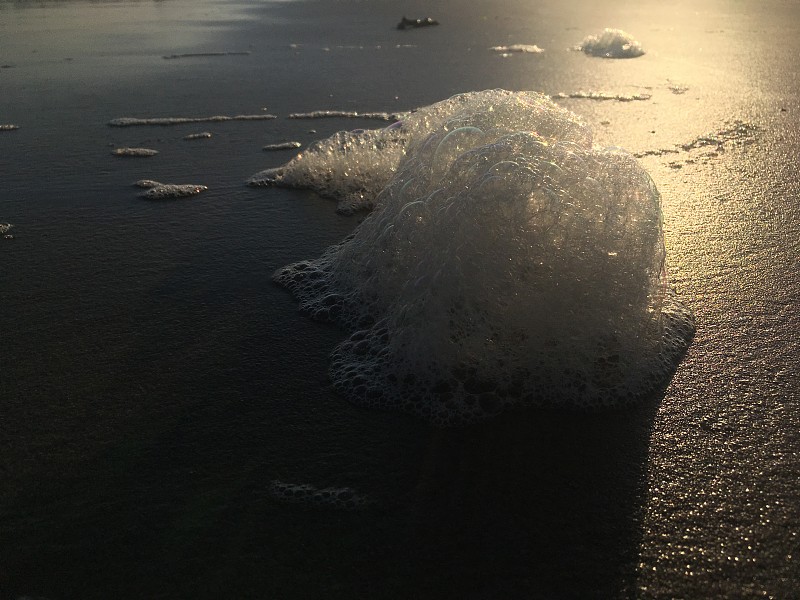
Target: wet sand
[{"x": 154, "y": 381}]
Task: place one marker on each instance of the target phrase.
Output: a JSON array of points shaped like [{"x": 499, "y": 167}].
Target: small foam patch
[
  {"x": 346, "y": 114},
  {"x": 141, "y": 152},
  {"x": 611, "y": 43},
  {"x": 594, "y": 95},
  {"x": 507, "y": 261},
  {"x": 338, "y": 498},
  {"x": 168, "y": 191},
  {"x": 282, "y": 146},
  {"x": 518, "y": 49}
]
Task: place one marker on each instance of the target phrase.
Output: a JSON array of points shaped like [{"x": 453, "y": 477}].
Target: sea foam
[
  {"x": 507, "y": 261},
  {"x": 138, "y": 152},
  {"x": 611, "y": 43},
  {"x": 169, "y": 191},
  {"x": 165, "y": 121}
]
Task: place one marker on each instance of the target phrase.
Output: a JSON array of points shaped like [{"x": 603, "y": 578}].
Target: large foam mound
[
  {"x": 507, "y": 261},
  {"x": 611, "y": 43},
  {"x": 354, "y": 166}
]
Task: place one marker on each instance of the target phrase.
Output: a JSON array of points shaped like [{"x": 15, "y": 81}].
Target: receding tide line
[{"x": 132, "y": 121}]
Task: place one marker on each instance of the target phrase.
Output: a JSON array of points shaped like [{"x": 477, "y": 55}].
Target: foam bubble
[
  {"x": 134, "y": 152},
  {"x": 168, "y": 191},
  {"x": 354, "y": 166},
  {"x": 346, "y": 114},
  {"x": 8, "y": 127},
  {"x": 282, "y": 146},
  {"x": 147, "y": 183},
  {"x": 134, "y": 122},
  {"x": 343, "y": 498},
  {"x": 517, "y": 48},
  {"x": 197, "y": 136},
  {"x": 594, "y": 95},
  {"x": 508, "y": 261},
  {"x": 611, "y": 43}
]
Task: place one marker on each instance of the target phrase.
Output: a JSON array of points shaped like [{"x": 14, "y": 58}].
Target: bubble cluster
[
  {"x": 169, "y": 191},
  {"x": 282, "y": 146},
  {"x": 517, "y": 48},
  {"x": 507, "y": 261},
  {"x": 343, "y": 498},
  {"x": 8, "y": 127},
  {"x": 611, "y": 43},
  {"x": 141, "y": 152},
  {"x": 164, "y": 121},
  {"x": 354, "y": 166},
  {"x": 346, "y": 114},
  {"x": 594, "y": 95}
]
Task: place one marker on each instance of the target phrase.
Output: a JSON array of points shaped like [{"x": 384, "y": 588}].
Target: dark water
[{"x": 154, "y": 381}]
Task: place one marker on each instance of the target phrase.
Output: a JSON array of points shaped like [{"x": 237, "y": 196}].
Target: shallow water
[{"x": 154, "y": 381}]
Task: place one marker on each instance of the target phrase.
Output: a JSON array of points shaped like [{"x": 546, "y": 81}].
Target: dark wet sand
[{"x": 154, "y": 381}]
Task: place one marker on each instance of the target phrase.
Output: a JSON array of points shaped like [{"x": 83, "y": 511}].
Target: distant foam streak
[
  {"x": 592, "y": 95},
  {"x": 345, "y": 114},
  {"x": 134, "y": 122},
  {"x": 517, "y": 49},
  {"x": 204, "y": 54},
  {"x": 134, "y": 152}
]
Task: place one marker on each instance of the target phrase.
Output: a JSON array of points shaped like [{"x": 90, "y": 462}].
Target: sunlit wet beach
[{"x": 167, "y": 425}]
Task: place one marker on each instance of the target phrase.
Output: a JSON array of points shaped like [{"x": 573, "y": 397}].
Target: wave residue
[
  {"x": 163, "y": 121},
  {"x": 169, "y": 191},
  {"x": 138, "y": 152},
  {"x": 339, "y": 498},
  {"x": 508, "y": 261},
  {"x": 611, "y": 43}
]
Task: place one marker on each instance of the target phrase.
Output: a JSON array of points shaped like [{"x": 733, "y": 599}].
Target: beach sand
[{"x": 153, "y": 380}]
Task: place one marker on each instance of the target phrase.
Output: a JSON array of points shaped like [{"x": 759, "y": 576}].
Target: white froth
[
  {"x": 354, "y": 166},
  {"x": 205, "y": 54},
  {"x": 518, "y": 48},
  {"x": 147, "y": 183},
  {"x": 8, "y": 127},
  {"x": 346, "y": 114},
  {"x": 282, "y": 146},
  {"x": 134, "y": 152},
  {"x": 168, "y": 191},
  {"x": 198, "y": 136},
  {"x": 343, "y": 498},
  {"x": 508, "y": 261},
  {"x": 594, "y": 95},
  {"x": 134, "y": 122},
  {"x": 611, "y": 43}
]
